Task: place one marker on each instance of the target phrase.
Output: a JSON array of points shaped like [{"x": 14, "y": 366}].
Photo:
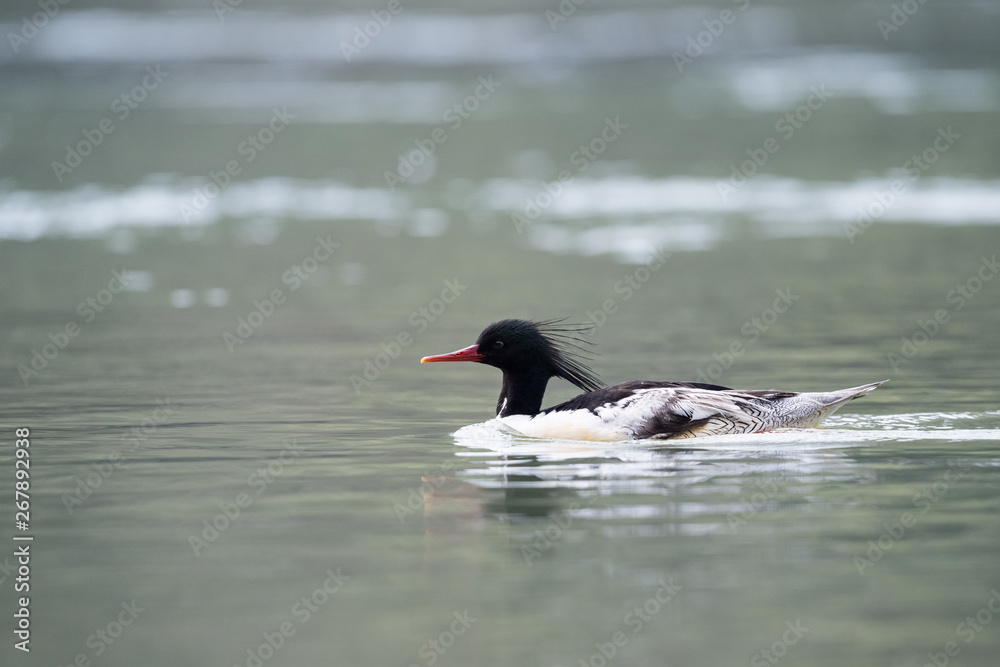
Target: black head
[{"x": 551, "y": 348}]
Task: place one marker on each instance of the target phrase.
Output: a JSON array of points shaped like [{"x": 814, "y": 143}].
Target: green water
[
  {"x": 548, "y": 549},
  {"x": 238, "y": 460}
]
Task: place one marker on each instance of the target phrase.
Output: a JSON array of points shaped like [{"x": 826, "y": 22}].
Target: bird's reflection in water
[{"x": 508, "y": 487}]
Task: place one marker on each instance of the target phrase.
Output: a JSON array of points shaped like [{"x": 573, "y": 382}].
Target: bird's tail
[{"x": 830, "y": 401}]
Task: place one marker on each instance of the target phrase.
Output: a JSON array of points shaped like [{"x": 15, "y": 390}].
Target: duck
[{"x": 530, "y": 353}]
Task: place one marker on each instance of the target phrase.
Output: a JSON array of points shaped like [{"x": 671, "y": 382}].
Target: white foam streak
[{"x": 622, "y": 215}]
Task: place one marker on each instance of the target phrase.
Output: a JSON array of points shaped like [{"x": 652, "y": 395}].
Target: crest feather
[{"x": 569, "y": 348}]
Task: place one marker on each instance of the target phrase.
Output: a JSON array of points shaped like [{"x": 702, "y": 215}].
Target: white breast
[
  {"x": 568, "y": 425},
  {"x": 609, "y": 423}
]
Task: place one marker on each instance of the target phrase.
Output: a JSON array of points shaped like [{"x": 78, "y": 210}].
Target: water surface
[{"x": 238, "y": 460}]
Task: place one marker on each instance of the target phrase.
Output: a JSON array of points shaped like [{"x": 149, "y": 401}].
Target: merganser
[{"x": 529, "y": 353}]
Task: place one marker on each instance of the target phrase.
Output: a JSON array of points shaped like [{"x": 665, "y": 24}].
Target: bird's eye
[{"x": 497, "y": 345}]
